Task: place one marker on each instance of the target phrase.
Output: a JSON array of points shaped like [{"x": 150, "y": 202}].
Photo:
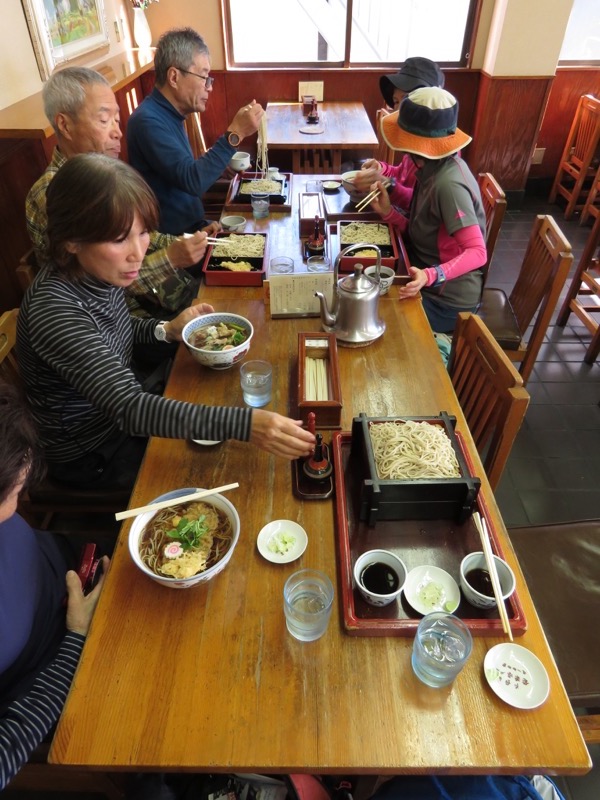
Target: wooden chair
[
  {"x": 494, "y": 204},
  {"x": 590, "y": 207},
  {"x": 490, "y": 392},
  {"x": 214, "y": 199},
  {"x": 41, "y": 502},
  {"x": 583, "y": 297},
  {"x": 534, "y": 297},
  {"x": 383, "y": 152},
  {"x": 561, "y": 563},
  {"x": 579, "y": 159}
]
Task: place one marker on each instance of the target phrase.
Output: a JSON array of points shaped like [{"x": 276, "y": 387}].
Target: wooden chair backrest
[
  {"x": 383, "y": 152},
  {"x": 541, "y": 278},
  {"x": 193, "y": 127},
  {"x": 490, "y": 391},
  {"x": 494, "y": 205},
  {"x": 9, "y": 369},
  {"x": 585, "y": 132}
]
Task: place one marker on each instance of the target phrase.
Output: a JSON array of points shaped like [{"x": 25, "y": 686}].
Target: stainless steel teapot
[{"x": 354, "y": 317}]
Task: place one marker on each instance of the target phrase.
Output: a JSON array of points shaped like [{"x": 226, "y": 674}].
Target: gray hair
[
  {"x": 177, "y": 48},
  {"x": 65, "y": 91}
]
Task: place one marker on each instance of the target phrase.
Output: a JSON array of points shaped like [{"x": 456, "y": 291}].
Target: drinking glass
[
  {"x": 281, "y": 265},
  {"x": 441, "y": 648},
  {"x": 307, "y": 603},
  {"x": 260, "y": 204},
  {"x": 256, "y": 379},
  {"x": 317, "y": 264}
]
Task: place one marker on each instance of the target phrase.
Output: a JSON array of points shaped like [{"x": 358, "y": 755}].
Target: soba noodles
[
  {"x": 368, "y": 232},
  {"x": 261, "y": 185},
  {"x": 262, "y": 152},
  {"x": 407, "y": 450},
  {"x": 235, "y": 245},
  {"x": 182, "y": 541}
]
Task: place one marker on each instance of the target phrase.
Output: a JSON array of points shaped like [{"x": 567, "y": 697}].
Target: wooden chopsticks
[
  {"x": 481, "y": 525},
  {"x": 186, "y": 498},
  {"x": 371, "y": 196}
]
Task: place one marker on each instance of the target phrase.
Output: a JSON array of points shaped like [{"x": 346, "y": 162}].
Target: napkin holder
[{"x": 328, "y": 413}]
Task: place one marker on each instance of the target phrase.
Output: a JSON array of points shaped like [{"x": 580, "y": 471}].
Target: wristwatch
[
  {"x": 160, "y": 332},
  {"x": 441, "y": 278},
  {"x": 232, "y": 138}
]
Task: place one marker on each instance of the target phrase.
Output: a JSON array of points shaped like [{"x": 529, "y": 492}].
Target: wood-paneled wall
[{"x": 507, "y": 117}]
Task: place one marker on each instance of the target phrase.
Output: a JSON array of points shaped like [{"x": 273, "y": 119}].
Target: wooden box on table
[{"x": 323, "y": 347}]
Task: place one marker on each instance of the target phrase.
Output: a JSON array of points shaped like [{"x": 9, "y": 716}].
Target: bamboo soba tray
[
  {"x": 241, "y": 202},
  {"x": 216, "y": 275},
  {"x": 441, "y": 543}
]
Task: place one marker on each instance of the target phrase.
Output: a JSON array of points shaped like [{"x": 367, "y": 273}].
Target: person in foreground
[
  {"x": 75, "y": 338},
  {"x": 414, "y": 74},
  {"x": 83, "y": 111},
  {"x": 156, "y": 139},
  {"x": 445, "y": 225},
  {"x": 41, "y": 640}
]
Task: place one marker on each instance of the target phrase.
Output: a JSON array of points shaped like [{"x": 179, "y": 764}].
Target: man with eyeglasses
[{"x": 156, "y": 139}]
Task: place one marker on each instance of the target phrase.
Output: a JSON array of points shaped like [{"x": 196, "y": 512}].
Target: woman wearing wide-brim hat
[
  {"x": 445, "y": 225},
  {"x": 415, "y": 73}
]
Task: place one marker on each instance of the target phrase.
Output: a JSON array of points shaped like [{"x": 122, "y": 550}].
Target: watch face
[
  {"x": 233, "y": 139},
  {"x": 160, "y": 332}
]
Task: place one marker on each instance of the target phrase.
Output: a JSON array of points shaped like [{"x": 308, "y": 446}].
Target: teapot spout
[{"x": 328, "y": 318}]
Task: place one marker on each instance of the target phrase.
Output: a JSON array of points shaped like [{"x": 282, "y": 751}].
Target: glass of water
[
  {"x": 307, "y": 603},
  {"x": 441, "y": 648},
  {"x": 256, "y": 379},
  {"x": 260, "y": 204}
]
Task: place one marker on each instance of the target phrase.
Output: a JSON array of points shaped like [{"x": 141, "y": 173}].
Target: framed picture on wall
[{"x": 61, "y": 30}]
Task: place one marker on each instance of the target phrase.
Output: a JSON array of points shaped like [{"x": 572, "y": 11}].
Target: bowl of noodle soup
[
  {"x": 186, "y": 544},
  {"x": 218, "y": 340}
]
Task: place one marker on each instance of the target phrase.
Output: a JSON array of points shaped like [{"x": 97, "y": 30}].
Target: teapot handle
[{"x": 347, "y": 250}]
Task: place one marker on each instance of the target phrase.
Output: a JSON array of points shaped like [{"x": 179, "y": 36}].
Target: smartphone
[{"x": 89, "y": 569}]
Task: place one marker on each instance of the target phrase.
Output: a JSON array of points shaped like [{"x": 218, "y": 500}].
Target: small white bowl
[
  {"x": 347, "y": 183},
  {"x": 217, "y": 359},
  {"x": 516, "y": 675},
  {"x": 233, "y": 223},
  {"x": 386, "y": 277},
  {"x": 429, "y": 588},
  {"x": 477, "y": 561},
  {"x": 379, "y": 557},
  {"x": 331, "y": 186},
  {"x": 275, "y": 528},
  {"x": 240, "y": 161},
  {"x": 140, "y": 522}
]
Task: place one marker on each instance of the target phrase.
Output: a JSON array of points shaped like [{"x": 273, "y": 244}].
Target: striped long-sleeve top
[
  {"x": 27, "y": 720},
  {"x": 74, "y": 346}
]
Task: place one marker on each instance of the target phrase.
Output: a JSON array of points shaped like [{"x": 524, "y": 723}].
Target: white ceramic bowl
[
  {"x": 140, "y": 523},
  {"x": 233, "y": 223},
  {"x": 381, "y": 557},
  {"x": 240, "y": 161},
  {"x": 217, "y": 359},
  {"x": 477, "y": 561},
  {"x": 347, "y": 178},
  {"x": 386, "y": 277}
]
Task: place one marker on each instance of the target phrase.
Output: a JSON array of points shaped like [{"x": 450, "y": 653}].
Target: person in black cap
[{"x": 414, "y": 74}]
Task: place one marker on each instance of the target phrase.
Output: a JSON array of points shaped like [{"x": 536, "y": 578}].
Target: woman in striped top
[
  {"x": 40, "y": 644},
  {"x": 75, "y": 337}
]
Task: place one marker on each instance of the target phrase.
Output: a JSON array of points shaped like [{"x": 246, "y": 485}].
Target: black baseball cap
[{"x": 415, "y": 73}]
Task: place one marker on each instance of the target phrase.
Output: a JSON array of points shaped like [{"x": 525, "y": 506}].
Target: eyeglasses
[{"x": 208, "y": 79}]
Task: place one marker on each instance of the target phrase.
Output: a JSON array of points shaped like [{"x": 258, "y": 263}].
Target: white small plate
[
  {"x": 516, "y": 675},
  {"x": 430, "y": 589},
  {"x": 206, "y": 442},
  {"x": 282, "y": 526},
  {"x": 331, "y": 186}
]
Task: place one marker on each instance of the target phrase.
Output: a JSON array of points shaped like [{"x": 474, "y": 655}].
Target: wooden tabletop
[
  {"x": 209, "y": 678},
  {"x": 26, "y": 119},
  {"x": 345, "y": 126}
]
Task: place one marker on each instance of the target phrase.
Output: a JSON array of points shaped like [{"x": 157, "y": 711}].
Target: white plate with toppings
[
  {"x": 430, "y": 589},
  {"x": 516, "y": 675},
  {"x": 282, "y": 541}
]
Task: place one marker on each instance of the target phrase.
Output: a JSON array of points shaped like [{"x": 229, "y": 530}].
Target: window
[
  {"x": 582, "y": 40},
  {"x": 348, "y": 32}
]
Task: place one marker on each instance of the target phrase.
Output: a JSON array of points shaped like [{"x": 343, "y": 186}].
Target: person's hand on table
[
  {"x": 247, "y": 120},
  {"x": 212, "y": 228},
  {"x": 382, "y": 203},
  {"x": 412, "y": 289},
  {"x": 187, "y": 250},
  {"x": 368, "y": 174},
  {"x": 280, "y": 435},
  {"x": 174, "y": 328},
  {"x": 80, "y": 607}
]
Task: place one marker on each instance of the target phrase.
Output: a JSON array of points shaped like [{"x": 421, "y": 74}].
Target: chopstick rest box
[
  {"x": 416, "y": 498},
  {"x": 310, "y": 206},
  {"x": 319, "y": 347}
]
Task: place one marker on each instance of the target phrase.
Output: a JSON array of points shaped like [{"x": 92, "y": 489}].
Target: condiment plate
[
  {"x": 206, "y": 442},
  {"x": 516, "y": 675},
  {"x": 272, "y": 533},
  {"x": 429, "y": 588}
]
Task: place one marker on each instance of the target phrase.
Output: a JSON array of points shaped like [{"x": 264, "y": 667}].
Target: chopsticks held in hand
[
  {"x": 186, "y": 498},
  {"x": 481, "y": 525},
  {"x": 371, "y": 196}
]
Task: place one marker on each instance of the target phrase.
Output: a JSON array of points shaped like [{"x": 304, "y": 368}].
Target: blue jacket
[{"x": 160, "y": 150}]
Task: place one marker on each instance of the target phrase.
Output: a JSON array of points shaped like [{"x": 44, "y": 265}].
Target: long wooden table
[
  {"x": 346, "y": 126},
  {"x": 209, "y": 679}
]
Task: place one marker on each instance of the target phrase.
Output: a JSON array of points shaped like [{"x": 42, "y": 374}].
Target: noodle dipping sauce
[
  {"x": 379, "y": 576},
  {"x": 476, "y": 584},
  {"x": 158, "y": 540}
]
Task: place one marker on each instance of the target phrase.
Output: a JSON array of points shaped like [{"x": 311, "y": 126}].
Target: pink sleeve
[
  {"x": 405, "y": 176},
  {"x": 398, "y": 220},
  {"x": 472, "y": 256}
]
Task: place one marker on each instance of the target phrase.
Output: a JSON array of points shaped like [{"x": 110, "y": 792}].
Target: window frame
[{"x": 467, "y": 47}]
